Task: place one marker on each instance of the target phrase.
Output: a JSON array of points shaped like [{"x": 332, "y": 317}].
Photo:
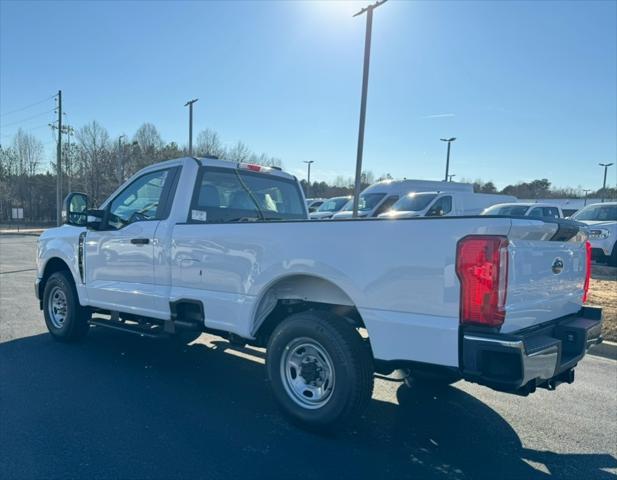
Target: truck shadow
[{"x": 125, "y": 407}]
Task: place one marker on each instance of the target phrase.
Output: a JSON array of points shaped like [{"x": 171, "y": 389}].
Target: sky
[{"x": 528, "y": 88}]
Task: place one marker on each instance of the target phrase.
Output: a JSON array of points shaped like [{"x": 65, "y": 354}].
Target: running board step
[{"x": 155, "y": 332}]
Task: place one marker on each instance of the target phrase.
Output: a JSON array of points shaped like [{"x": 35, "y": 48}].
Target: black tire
[
  {"x": 75, "y": 323},
  {"x": 349, "y": 355}
]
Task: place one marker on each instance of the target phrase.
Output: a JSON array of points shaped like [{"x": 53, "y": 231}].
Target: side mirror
[{"x": 74, "y": 210}]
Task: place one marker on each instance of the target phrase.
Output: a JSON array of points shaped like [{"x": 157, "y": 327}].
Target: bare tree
[
  {"x": 148, "y": 138},
  {"x": 29, "y": 151},
  {"x": 238, "y": 153},
  {"x": 94, "y": 158},
  {"x": 209, "y": 144}
]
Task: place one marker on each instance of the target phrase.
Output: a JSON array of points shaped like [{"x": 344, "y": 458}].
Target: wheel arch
[
  {"x": 299, "y": 292},
  {"x": 53, "y": 265}
]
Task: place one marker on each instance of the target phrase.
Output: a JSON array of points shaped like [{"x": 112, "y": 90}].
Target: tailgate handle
[{"x": 140, "y": 241}]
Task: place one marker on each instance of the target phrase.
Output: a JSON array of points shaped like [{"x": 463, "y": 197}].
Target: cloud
[{"x": 440, "y": 115}]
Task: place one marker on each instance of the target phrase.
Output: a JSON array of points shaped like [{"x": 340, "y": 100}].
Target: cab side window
[
  {"x": 536, "y": 212},
  {"x": 139, "y": 201},
  {"x": 442, "y": 206}
]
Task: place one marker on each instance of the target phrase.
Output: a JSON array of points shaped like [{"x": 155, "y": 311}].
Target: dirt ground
[{"x": 603, "y": 292}]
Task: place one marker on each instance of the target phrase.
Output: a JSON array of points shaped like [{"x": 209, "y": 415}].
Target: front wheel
[
  {"x": 65, "y": 318},
  {"x": 320, "y": 370}
]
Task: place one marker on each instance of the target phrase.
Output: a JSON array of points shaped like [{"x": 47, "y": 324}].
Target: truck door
[{"x": 119, "y": 258}]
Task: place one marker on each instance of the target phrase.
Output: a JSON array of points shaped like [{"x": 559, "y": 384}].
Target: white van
[
  {"x": 381, "y": 196},
  {"x": 440, "y": 204}
]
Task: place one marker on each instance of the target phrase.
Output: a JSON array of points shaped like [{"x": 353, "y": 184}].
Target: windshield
[
  {"x": 597, "y": 213},
  {"x": 507, "y": 210},
  {"x": 333, "y": 205},
  {"x": 414, "y": 202},
  {"x": 366, "y": 202}
]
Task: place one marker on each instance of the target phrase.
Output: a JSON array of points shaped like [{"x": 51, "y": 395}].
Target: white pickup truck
[{"x": 203, "y": 245}]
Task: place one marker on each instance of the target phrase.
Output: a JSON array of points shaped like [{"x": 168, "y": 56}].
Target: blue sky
[{"x": 528, "y": 88}]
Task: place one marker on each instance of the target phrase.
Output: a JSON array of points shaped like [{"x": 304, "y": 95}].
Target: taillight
[
  {"x": 482, "y": 268},
  {"x": 587, "y": 270}
]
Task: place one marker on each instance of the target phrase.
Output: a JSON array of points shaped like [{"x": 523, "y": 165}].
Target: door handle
[{"x": 140, "y": 241}]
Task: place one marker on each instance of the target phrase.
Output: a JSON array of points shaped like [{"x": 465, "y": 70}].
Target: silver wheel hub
[
  {"x": 307, "y": 373},
  {"x": 57, "y": 307}
]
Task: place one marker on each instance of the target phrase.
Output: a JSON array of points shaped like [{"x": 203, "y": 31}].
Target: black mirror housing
[
  {"x": 74, "y": 209},
  {"x": 95, "y": 219}
]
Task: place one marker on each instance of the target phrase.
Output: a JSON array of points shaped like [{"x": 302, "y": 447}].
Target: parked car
[
  {"x": 329, "y": 208},
  {"x": 439, "y": 204},
  {"x": 538, "y": 210},
  {"x": 602, "y": 221},
  {"x": 379, "y": 197},
  {"x": 312, "y": 204},
  {"x": 192, "y": 245}
]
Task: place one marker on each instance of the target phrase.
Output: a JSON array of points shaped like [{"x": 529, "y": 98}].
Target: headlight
[{"x": 599, "y": 234}]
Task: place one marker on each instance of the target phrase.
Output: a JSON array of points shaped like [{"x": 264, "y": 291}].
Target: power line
[
  {"x": 25, "y": 131},
  {"x": 28, "y": 118},
  {"x": 27, "y": 106}
]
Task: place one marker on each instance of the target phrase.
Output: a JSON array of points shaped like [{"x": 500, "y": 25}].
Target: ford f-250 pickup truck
[{"x": 204, "y": 245}]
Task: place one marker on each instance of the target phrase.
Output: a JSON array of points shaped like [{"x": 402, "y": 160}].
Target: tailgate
[{"x": 546, "y": 272}]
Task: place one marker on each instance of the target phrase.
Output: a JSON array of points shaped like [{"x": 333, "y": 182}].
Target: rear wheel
[
  {"x": 65, "y": 318},
  {"x": 320, "y": 370}
]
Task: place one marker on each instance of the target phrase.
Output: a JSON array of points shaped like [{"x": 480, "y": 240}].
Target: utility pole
[
  {"x": 586, "y": 191},
  {"x": 367, "y": 57},
  {"x": 68, "y": 130},
  {"x": 59, "y": 163},
  {"x": 308, "y": 176},
  {"x": 449, "y": 140},
  {"x": 190, "y": 105},
  {"x": 450, "y": 177},
  {"x": 120, "y": 169},
  {"x": 605, "y": 165}
]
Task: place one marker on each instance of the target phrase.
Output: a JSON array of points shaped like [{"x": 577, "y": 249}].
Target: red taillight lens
[
  {"x": 482, "y": 268},
  {"x": 253, "y": 168},
  {"x": 587, "y": 270}
]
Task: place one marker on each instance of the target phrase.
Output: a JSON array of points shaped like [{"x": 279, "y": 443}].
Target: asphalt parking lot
[{"x": 118, "y": 406}]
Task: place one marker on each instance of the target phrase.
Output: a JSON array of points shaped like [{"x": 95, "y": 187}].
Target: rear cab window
[{"x": 229, "y": 195}]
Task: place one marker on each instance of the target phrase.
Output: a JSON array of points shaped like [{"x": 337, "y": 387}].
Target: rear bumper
[{"x": 541, "y": 357}]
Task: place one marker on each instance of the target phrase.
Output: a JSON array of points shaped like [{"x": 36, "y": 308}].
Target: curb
[
  {"x": 31, "y": 234},
  {"x": 606, "y": 349}
]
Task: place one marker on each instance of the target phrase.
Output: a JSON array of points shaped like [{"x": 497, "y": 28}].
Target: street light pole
[
  {"x": 120, "y": 173},
  {"x": 450, "y": 177},
  {"x": 367, "y": 56},
  {"x": 59, "y": 162},
  {"x": 190, "y": 105},
  {"x": 586, "y": 191},
  {"x": 605, "y": 165},
  {"x": 308, "y": 176},
  {"x": 449, "y": 140}
]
